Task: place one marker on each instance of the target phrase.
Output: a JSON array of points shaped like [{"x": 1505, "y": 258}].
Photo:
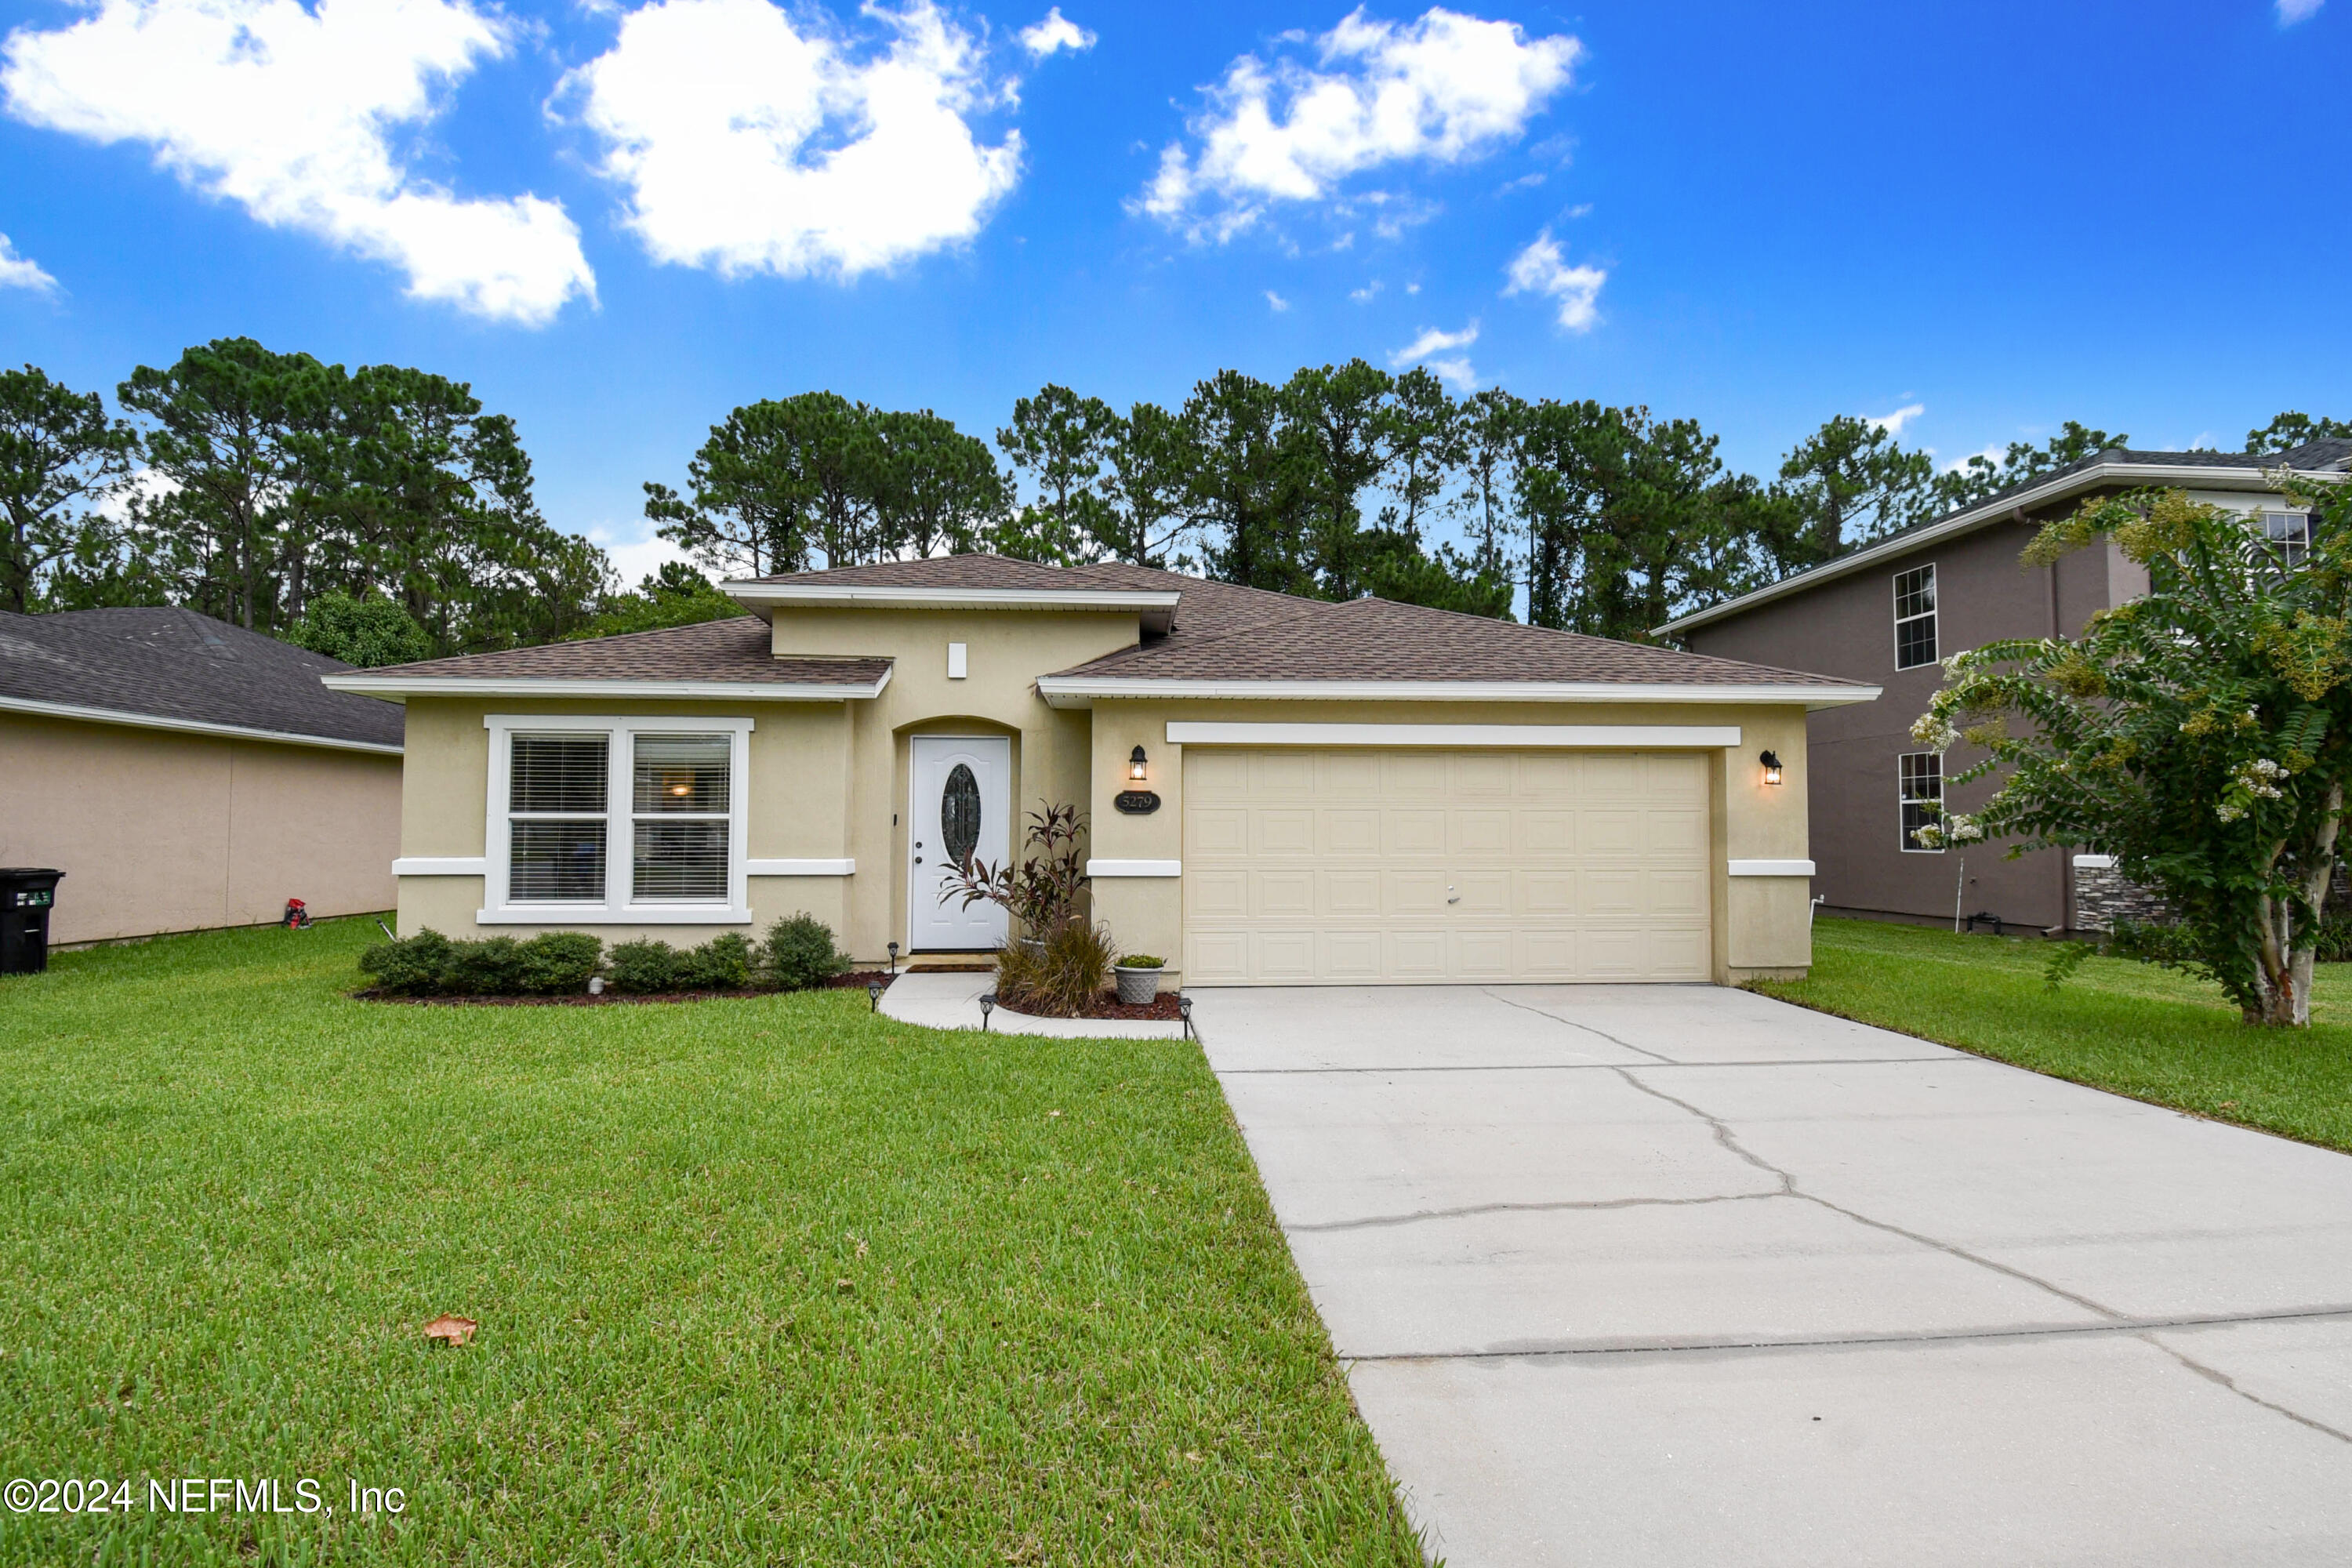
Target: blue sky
[{"x": 620, "y": 222}]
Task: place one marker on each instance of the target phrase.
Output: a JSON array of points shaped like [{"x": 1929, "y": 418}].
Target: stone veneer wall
[{"x": 2102, "y": 895}]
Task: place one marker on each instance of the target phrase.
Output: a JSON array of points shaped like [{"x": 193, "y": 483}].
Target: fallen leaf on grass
[{"x": 449, "y": 1326}]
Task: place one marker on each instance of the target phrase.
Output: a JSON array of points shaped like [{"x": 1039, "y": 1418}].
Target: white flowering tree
[{"x": 2201, "y": 735}]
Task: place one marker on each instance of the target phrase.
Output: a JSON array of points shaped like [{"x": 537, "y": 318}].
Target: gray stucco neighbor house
[{"x": 1887, "y": 613}]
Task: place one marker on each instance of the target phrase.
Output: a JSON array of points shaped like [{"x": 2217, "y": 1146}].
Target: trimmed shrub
[
  {"x": 799, "y": 953},
  {"x": 643, "y": 968},
  {"x": 410, "y": 966},
  {"x": 722, "y": 963},
  {"x": 559, "y": 963},
  {"x": 1143, "y": 961},
  {"x": 492, "y": 967}
]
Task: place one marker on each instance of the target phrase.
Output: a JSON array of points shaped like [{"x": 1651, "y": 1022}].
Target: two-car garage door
[{"x": 1348, "y": 865}]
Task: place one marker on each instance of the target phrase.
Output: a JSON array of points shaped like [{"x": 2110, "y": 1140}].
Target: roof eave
[
  {"x": 2008, "y": 508},
  {"x": 399, "y": 688},
  {"x": 1155, "y": 608},
  {"x": 1082, "y": 691},
  {"x": 189, "y": 726}
]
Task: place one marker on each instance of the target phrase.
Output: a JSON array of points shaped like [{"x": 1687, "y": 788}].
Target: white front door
[{"x": 961, "y": 809}]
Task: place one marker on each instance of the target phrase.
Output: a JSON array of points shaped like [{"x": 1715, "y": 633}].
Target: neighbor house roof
[
  {"x": 177, "y": 669},
  {"x": 2116, "y": 467},
  {"x": 729, "y": 657}
]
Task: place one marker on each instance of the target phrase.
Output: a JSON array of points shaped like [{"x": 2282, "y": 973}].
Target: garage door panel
[
  {"x": 1482, "y": 833},
  {"x": 1609, "y": 833},
  {"x": 1214, "y": 833},
  {"x": 1415, "y": 954},
  {"x": 1676, "y": 893},
  {"x": 1285, "y": 896},
  {"x": 1351, "y": 830},
  {"x": 1367, "y": 866},
  {"x": 1420, "y": 894},
  {"x": 1284, "y": 831}
]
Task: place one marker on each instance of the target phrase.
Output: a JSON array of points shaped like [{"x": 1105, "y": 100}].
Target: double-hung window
[
  {"x": 1914, "y": 618},
  {"x": 1921, "y": 797},
  {"x": 2289, "y": 533},
  {"x": 624, "y": 820}
]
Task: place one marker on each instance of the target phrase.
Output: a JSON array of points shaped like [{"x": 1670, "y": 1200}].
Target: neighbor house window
[
  {"x": 1914, "y": 618},
  {"x": 1922, "y": 799},
  {"x": 2289, "y": 533},
  {"x": 618, "y": 820}
]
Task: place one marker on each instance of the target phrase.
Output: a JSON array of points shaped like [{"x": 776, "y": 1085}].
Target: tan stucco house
[
  {"x": 186, "y": 773},
  {"x": 1280, "y": 791}
]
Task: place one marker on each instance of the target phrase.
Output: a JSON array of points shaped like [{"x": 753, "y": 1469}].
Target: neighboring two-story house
[{"x": 1887, "y": 613}]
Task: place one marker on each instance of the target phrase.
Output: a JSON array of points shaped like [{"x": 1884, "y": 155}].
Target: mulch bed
[
  {"x": 1161, "y": 1008},
  {"x": 857, "y": 978}
]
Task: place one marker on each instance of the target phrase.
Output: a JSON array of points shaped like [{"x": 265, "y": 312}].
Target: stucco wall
[{"x": 162, "y": 832}]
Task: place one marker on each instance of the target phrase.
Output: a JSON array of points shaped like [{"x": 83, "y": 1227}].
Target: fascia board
[
  {"x": 1081, "y": 691},
  {"x": 2058, "y": 488},
  {"x": 399, "y": 688},
  {"x": 187, "y": 726}
]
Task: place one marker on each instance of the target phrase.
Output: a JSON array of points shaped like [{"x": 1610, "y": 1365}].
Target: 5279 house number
[{"x": 1136, "y": 802}]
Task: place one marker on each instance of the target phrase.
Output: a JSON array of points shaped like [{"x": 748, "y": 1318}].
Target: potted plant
[{"x": 1138, "y": 977}]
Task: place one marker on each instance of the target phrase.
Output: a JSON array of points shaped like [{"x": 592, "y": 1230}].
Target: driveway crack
[
  {"x": 1729, "y": 1140},
  {"x": 1587, "y": 1028},
  {"x": 2215, "y": 1374}
]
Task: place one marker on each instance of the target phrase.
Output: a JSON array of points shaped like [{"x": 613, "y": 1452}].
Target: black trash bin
[{"x": 26, "y": 895}]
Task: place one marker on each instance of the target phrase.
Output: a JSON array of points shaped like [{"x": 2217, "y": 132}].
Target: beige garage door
[{"x": 1349, "y": 865}]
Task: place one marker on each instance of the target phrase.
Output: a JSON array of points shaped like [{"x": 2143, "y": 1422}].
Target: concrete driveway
[{"x": 1682, "y": 1275}]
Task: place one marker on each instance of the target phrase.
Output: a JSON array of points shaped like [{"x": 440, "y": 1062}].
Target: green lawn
[
  {"x": 2130, "y": 1028},
  {"x": 758, "y": 1281}
]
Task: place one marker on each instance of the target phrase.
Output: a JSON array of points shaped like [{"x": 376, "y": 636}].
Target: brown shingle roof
[
  {"x": 737, "y": 649},
  {"x": 1375, "y": 639}
]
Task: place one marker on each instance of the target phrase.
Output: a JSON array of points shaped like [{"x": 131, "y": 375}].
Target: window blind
[
  {"x": 555, "y": 791},
  {"x": 681, "y": 801}
]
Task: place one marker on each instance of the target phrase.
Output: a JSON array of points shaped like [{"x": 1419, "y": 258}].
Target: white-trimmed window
[
  {"x": 2289, "y": 533},
  {"x": 636, "y": 820},
  {"x": 1914, "y": 618},
  {"x": 1921, "y": 797}
]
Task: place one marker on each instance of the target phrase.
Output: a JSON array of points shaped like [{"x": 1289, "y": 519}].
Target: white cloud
[
  {"x": 1364, "y": 295},
  {"x": 635, "y": 555},
  {"x": 1275, "y": 302},
  {"x": 22, "y": 271},
  {"x": 1541, "y": 269},
  {"x": 749, "y": 146},
  {"x": 1435, "y": 349},
  {"x": 1444, "y": 88},
  {"x": 1996, "y": 453},
  {"x": 291, "y": 113},
  {"x": 1892, "y": 423},
  {"x": 1055, "y": 32},
  {"x": 2290, "y": 12}
]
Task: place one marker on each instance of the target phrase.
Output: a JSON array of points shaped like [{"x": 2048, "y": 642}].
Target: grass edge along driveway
[
  {"x": 775, "y": 1281},
  {"x": 2127, "y": 1027}
]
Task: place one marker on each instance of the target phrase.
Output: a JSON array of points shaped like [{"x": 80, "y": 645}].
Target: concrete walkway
[
  {"x": 945, "y": 1000},
  {"x": 1680, "y": 1275}
]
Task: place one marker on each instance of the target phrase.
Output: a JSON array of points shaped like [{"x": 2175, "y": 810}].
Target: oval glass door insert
[{"x": 960, "y": 814}]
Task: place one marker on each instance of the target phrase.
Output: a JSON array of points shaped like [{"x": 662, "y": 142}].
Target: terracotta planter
[{"x": 1135, "y": 986}]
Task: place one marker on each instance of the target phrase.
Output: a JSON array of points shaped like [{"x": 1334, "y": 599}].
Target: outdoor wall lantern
[
  {"x": 1135, "y": 800},
  {"x": 1772, "y": 760}
]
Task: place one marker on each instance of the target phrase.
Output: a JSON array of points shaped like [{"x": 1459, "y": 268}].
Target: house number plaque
[{"x": 1136, "y": 802}]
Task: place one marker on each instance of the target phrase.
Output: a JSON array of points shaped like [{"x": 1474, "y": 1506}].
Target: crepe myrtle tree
[{"x": 2201, "y": 734}]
